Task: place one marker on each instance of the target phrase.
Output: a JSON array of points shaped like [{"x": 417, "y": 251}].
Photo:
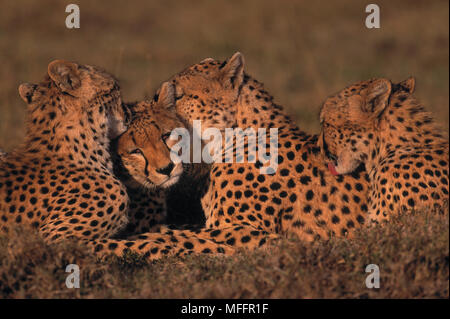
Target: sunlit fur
[
  {"x": 145, "y": 148},
  {"x": 382, "y": 124},
  {"x": 63, "y": 168}
]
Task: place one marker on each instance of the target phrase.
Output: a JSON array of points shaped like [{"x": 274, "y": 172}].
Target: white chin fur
[
  {"x": 342, "y": 170},
  {"x": 171, "y": 181}
]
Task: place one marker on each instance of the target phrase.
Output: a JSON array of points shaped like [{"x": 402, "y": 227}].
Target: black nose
[{"x": 166, "y": 170}]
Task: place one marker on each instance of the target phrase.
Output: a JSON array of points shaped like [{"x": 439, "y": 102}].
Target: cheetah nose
[{"x": 166, "y": 170}]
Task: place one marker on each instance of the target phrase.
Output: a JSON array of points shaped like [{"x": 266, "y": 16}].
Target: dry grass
[
  {"x": 412, "y": 254},
  {"x": 302, "y": 50}
]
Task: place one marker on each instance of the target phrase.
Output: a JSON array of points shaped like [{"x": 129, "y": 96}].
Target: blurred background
[{"x": 302, "y": 50}]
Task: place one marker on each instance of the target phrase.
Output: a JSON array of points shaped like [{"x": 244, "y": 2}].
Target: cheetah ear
[
  {"x": 320, "y": 143},
  {"x": 409, "y": 84},
  {"x": 26, "y": 91},
  {"x": 232, "y": 71},
  {"x": 139, "y": 107},
  {"x": 320, "y": 138},
  {"x": 377, "y": 96},
  {"x": 65, "y": 75},
  {"x": 166, "y": 97},
  {"x": 207, "y": 60}
]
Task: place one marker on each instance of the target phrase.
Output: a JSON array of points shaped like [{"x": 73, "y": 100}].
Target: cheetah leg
[
  {"x": 151, "y": 245},
  {"x": 184, "y": 242},
  {"x": 143, "y": 223},
  {"x": 236, "y": 235},
  {"x": 155, "y": 246},
  {"x": 146, "y": 212},
  {"x": 81, "y": 227}
]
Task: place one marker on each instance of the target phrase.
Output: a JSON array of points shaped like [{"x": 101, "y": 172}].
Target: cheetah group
[{"x": 101, "y": 171}]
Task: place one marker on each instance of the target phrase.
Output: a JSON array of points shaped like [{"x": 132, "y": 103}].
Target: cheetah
[
  {"x": 151, "y": 203},
  {"x": 161, "y": 170},
  {"x": 382, "y": 125},
  {"x": 242, "y": 206},
  {"x": 60, "y": 181}
]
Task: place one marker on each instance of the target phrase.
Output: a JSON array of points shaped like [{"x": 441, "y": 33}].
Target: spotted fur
[
  {"x": 382, "y": 125},
  {"x": 145, "y": 166},
  {"x": 244, "y": 208},
  {"x": 60, "y": 180}
]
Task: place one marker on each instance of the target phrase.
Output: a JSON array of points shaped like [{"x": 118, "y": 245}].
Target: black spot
[
  {"x": 293, "y": 198},
  {"x": 270, "y": 210},
  {"x": 290, "y": 155},
  {"x": 245, "y": 239},
  {"x": 275, "y": 186},
  {"x": 305, "y": 180},
  {"x": 284, "y": 172},
  {"x": 215, "y": 233},
  {"x": 335, "y": 219}
]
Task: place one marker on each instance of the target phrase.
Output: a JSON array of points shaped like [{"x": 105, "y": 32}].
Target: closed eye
[
  {"x": 326, "y": 124},
  {"x": 328, "y": 153},
  {"x": 332, "y": 156},
  {"x": 179, "y": 93},
  {"x": 165, "y": 136},
  {"x": 135, "y": 151}
]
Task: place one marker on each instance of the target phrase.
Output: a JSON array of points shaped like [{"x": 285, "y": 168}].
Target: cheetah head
[
  {"x": 209, "y": 90},
  {"x": 350, "y": 119},
  {"x": 71, "y": 89},
  {"x": 145, "y": 148}
]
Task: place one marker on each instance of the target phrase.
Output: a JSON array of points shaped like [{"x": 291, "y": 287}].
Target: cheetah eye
[
  {"x": 67, "y": 94},
  {"x": 165, "y": 136},
  {"x": 332, "y": 156},
  {"x": 135, "y": 151},
  {"x": 179, "y": 93}
]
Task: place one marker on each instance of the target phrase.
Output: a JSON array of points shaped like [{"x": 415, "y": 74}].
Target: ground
[{"x": 412, "y": 254}]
